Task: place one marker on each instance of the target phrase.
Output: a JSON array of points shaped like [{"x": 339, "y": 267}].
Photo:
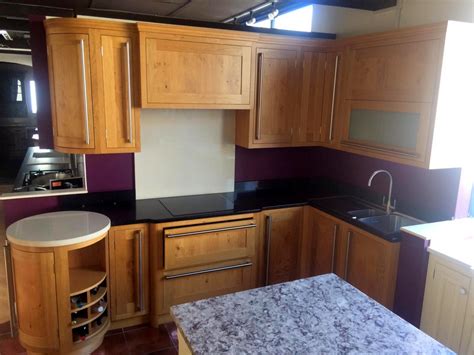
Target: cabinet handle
[
  {"x": 258, "y": 122},
  {"x": 333, "y": 260},
  {"x": 268, "y": 235},
  {"x": 129, "y": 91},
  {"x": 210, "y": 231},
  {"x": 207, "y": 271},
  {"x": 333, "y": 102},
  {"x": 348, "y": 247},
  {"x": 10, "y": 288},
  {"x": 140, "y": 293},
  {"x": 462, "y": 291},
  {"x": 84, "y": 85}
]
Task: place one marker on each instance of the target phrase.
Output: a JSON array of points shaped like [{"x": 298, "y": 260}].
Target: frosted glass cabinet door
[{"x": 398, "y": 128}]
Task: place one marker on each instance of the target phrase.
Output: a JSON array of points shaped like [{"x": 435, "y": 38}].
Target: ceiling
[
  {"x": 14, "y": 13},
  {"x": 201, "y": 10}
]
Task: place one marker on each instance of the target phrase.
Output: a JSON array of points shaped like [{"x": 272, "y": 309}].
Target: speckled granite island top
[{"x": 318, "y": 315}]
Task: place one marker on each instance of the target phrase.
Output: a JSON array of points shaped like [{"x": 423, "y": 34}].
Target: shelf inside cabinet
[
  {"x": 93, "y": 299},
  {"x": 93, "y": 331},
  {"x": 83, "y": 321},
  {"x": 82, "y": 280}
]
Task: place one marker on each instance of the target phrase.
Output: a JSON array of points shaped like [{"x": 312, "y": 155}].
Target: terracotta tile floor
[{"x": 139, "y": 340}]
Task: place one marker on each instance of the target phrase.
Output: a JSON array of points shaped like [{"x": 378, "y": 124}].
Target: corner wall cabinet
[
  {"x": 129, "y": 274},
  {"x": 366, "y": 261},
  {"x": 61, "y": 292},
  {"x": 448, "y": 305},
  {"x": 93, "y": 73}
]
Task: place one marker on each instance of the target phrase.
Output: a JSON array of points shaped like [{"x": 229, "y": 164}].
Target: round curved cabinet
[{"x": 60, "y": 273}]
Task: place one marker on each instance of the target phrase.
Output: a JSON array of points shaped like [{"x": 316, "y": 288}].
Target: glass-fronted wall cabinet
[{"x": 393, "y": 128}]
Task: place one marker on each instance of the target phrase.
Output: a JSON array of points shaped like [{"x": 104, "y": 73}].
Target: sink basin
[
  {"x": 369, "y": 212},
  {"x": 388, "y": 224}
]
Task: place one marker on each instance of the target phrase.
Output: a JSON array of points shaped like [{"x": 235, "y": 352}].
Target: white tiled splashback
[{"x": 185, "y": 152}]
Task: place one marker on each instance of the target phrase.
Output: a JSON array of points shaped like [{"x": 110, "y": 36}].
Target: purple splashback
[
  {"x": 18, "y": 209},
  {"x": 276, "y": 163},
  {"x": 110, "y": 172}
]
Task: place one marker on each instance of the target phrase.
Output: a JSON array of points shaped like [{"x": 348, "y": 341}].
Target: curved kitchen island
[{"x": 60, "y": 273}]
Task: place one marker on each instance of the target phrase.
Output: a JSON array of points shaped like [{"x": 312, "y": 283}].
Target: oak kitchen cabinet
[
  {"x": 320, "y": 93},
  {"x": 129, "y": 274},
  {"x": 404, "y": 97},
  {"x": 282, "y": 244},
  {"x": 185, "y": 67},
  {"x": 201, "y": 258},
  {"x": 366, "y": 261},
  {"x": 271, "y": 121},
  {"x": 448, "y": 305},
  {"x": 93, "y": 73}
]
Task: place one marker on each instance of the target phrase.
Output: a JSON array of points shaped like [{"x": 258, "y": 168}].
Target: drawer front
[
  {"x": 211, "y": 243},
  {"x": 207, "y": 282}
]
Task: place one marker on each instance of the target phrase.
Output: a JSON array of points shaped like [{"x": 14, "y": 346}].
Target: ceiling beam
[{"x": 14, "y": 24}]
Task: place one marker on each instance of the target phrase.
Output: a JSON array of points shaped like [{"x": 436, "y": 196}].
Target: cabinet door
[
  {"x": 276, "y": 95},
  {"x": 445, "y": 304},
  {"x": 70, "y": 84},
  {"x": 398, "y": 71},
  {"x": 120, "y": 116},
  {"x": 371, "y": 265},
  {"x": 283, "y": 229},
  {"x": 397, "y": 129},
  {"x": 190, "y": 73},
  {"x": 35, "y": 293},
  {"x": 129, "y": 281},
  {"x": 320, "y": 237}
]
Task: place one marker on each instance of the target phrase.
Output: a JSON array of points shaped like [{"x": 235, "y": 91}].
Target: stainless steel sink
[
  {"x": 391, "y": 223},
  {"x": 369, "y": 212}
]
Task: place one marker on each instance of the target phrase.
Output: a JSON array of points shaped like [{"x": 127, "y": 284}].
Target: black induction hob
[{"x": 187, "y": 205}]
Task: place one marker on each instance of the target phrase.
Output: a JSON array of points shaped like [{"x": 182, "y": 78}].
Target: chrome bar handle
[
  {"x": 140, "y": 272},
  {"x": 268, "y": 235},
  {"x": 129, "y": 91},
  {"x": 84, "y": 85},
  {"x": 348, "y": 247},
  {"x": 334, "y": 84},
  {"x": 258, "y": 123},
  {"x": 210, "y": 231},
  {"x": 206, "y": 271},
  {"x": 10, "y": 288},
  {"x": 333, "y": 260}
]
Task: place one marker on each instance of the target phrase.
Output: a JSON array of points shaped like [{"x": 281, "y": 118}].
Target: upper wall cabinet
[
  {"x": 320, "y": 93},
  {"x": 184, "y": 67},
  {"x": 93, "y": 71},
  {"x": 271, "y": 122},
  {"x": 406, "y": 95}
]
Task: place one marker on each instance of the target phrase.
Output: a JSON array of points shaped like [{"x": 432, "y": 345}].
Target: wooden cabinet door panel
[
  {"x": 118, "y": 76},
  {"x": 206, "y": 244},
  {"x": 394, "y": 72},
  {"x": 128, "y": 284},
  {"x": 203, "y": 285},
  {"x": 71, "y": 95},
  {"x": 35, "y": 292},
  {"x": 194, "y": 74},
  {"x": 371, "y": 265},
  {"x": 324, "y": 234},
  {"x": 276, "y": 95},
  {"x": 283, "y": 238},
  {"x": 445, "y": 304}
]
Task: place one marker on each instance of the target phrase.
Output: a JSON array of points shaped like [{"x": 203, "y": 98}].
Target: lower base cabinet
[
  {"x": 129, "y": 274},
  {"x": 364, "y": 260},
  {"x": 200, "y": 258},
  {"x": 448, "y": 305}
]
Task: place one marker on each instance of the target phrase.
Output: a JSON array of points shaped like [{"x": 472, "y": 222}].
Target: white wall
[
  {"x": 348, "y": 22},
  {"x": 185, "y": 152},
  {"x": 24, "y": 59}
]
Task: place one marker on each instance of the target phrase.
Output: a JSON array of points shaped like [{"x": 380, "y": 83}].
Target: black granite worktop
[{"x": 122, "y": 208}]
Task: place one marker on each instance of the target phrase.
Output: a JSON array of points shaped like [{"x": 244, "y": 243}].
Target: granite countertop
[{"x": 322, "y": 314}]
